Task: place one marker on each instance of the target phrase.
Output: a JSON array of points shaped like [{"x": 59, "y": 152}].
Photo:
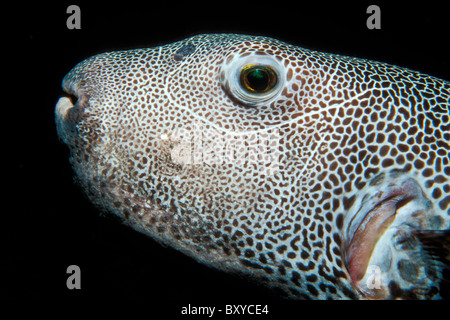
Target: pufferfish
[{"x": 319, "y": 175}]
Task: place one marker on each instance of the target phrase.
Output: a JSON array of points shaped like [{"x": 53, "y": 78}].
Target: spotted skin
[{"x": 343, "y": 130}]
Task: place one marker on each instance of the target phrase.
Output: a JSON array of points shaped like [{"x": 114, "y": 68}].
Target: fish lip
[{"x": 62, "y": 108}]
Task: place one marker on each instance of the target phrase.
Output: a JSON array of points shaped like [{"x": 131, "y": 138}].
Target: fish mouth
[
  {"x": 72, "y": 104},
  {"x": 69, "y": 109},
  {"x": 377, "y": 212},
  {"x": 67, "y": 115}
]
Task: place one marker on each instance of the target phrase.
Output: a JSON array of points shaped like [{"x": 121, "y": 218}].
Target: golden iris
[{"x": 258, "y": 79}]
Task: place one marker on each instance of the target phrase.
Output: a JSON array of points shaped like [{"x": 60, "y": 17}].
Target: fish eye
[
  {"x": 258, "y": 78},
  {"x": 253, "y": 80}
]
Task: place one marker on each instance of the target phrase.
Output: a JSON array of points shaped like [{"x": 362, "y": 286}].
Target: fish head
[{"x": 258, "y": 158}]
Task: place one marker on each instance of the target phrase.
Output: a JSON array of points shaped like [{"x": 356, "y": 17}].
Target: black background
[{"x": 48, "y": 225}]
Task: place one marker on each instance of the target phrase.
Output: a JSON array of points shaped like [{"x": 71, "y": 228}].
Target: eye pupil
[{"x": 258, "y": 79}]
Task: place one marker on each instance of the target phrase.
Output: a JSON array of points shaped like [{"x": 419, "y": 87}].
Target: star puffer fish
[{"x": 321, "y": 176}]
